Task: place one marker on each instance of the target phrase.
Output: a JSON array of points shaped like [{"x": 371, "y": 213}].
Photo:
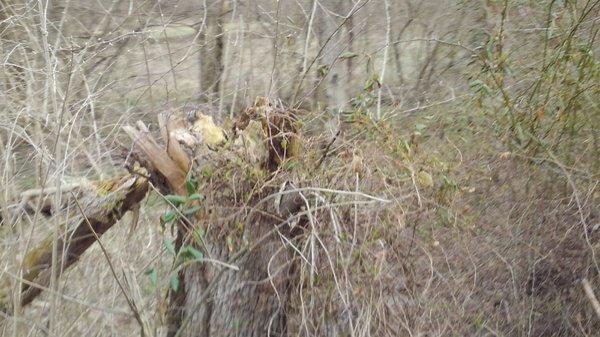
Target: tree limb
[{"x": 102, "y": 203}]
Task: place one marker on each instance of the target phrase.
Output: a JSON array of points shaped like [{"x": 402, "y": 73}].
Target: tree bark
[
  {"x": 245, "y": 302},
  {"x": 211, "y": 51},
  {"x": 330, "y": 80}
]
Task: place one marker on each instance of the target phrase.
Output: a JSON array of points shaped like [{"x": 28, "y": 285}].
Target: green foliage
[
  {"x": 186, "y": 254},
  {"x": 557, "y": 109},
  {"x": 322, "y": 70},
  {"x": 174, "y": 282},
  {"x": 191, "y": 185},
  {"x": 183, "y": 206},
  {"x": 189, "y": 253},
  {"x": 198, "y": 234},
  {"x": 348, "y": 55},
  {"x": 361, "y": 104},
  {"x": 153, "y": 274}
]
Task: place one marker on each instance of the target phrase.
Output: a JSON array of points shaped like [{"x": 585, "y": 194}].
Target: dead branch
[{"x": 100, "y": 206}]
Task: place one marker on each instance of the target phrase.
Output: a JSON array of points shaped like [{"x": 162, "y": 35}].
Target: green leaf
[
  {"x": 192, "y": 253},
  {"x": 170, "y": 216},
  {"x": 425, "y": 179},
  {"x": 478, "y": 321},
  {"x": 584, "y": 48},
  {"x": 196, "y": 253},
  {"x": 174, "y": 282},
  {"x": 191, "y": 185},
  {"x": 348, "y": 55},
  {"x": 370, "y": 67},
  {"x": 153, "y": 275},
  {"x": 175, "y": 199},
  {"x": 207, "y": 172},
  {"x": 191, "y": 210},
  {"x": 322, "y": 70},
  {"x": 420, "y": 127},
  {"x": 289, "y": 165},
  {"x": 376, "y": 80},
  {"x": 372, "y": 83},
  {"x": 480, "y": 87},
  {"x": 196, "y": 196},
  {"x": 169, "y": 245},
  {"x": 521, "y": 134},
  {"x": 199, "y": 235}
]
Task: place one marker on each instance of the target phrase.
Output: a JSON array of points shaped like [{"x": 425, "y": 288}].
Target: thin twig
[{"x": 589, "y": 292}]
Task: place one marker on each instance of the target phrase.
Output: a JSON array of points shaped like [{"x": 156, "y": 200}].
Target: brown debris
[{"x": 279, "y": 127}]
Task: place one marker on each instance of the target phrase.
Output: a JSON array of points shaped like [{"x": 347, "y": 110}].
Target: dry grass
[{"x": 485, "y": 229}]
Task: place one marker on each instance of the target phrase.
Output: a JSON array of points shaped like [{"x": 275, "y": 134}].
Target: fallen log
[{"x": 97, "y": 207}]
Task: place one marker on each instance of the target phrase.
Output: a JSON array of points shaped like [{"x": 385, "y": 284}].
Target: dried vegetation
[{"x": 455, "y": 193}]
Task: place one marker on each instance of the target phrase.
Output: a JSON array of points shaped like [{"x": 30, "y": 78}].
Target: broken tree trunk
[
  {"x": 240, "y": 287},
  {"x": 95, "y": 208}
]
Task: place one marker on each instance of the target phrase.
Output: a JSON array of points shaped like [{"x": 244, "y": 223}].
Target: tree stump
[{"x": 241, "y": 286}]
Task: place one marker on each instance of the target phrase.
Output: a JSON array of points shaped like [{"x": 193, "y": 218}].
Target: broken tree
[
  {"x": 235, "y": 183},
  {"x": 240, "y": 287}
]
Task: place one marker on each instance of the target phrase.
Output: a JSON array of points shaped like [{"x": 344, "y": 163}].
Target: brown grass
[{"x": 470, "y": 210}]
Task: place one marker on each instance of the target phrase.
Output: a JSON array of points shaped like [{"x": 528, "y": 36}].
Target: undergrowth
[{"x": 473, "y": 215}]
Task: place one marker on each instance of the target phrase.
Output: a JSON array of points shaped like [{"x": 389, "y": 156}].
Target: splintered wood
[{"x": 263, "y": 137}]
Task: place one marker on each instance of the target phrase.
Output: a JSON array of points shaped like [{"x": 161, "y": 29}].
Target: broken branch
[{"x": 102, "y": 205}]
